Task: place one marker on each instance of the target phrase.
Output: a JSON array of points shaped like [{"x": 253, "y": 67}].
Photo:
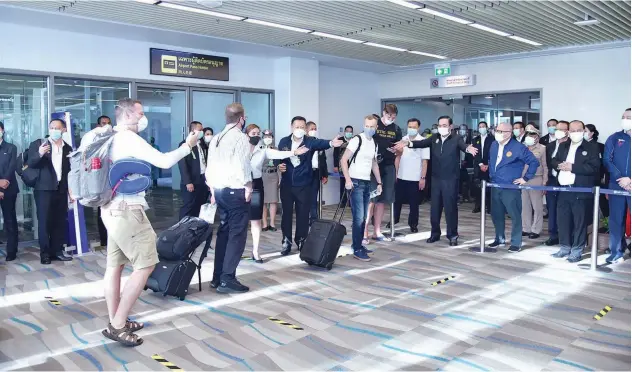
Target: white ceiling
[{"x": 549, "y": 23}]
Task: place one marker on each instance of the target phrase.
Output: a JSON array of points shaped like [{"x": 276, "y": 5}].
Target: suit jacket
[
  {"x": 302, "y": 174},
  {"x": 190, "y": 168},
  {"x": 585, "y": 167},
  {"x": 481, "y": 158},
  {"x": 511, "y": 167},
  {"x": 48, "y": 178},
  {"x": 550, "y": 148},
  {"x": 322, "y": 164},
  {"x": 445, "y": 156},
  {"x": 8, "y": 164},
  {"x": 545, "y": 140}
]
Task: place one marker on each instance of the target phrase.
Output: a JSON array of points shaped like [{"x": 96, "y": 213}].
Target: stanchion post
[
  {"x": 320, "y": 198},
  {"x": 483, "y": 212},
  {"x": 392, "y": 221},
  {"x": 595, "y": 229}
]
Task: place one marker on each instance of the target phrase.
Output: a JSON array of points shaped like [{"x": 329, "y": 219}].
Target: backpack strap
[{"x": 355, "y": 153}]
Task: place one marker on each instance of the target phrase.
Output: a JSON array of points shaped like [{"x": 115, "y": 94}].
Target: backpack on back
[
  {"x": 355, "y": 153},
  {"x": 88, "y": 180}
]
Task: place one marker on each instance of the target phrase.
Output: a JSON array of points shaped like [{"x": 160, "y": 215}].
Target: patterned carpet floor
[{"x": 523, "y": 311}]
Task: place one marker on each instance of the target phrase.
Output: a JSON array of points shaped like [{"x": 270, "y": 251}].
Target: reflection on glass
[
  {"x": 87, "y": 100},
  {"x": 209, "y": 108},
  {"x": 257, "y": 106},
  {"x": 24, "y": 112}
]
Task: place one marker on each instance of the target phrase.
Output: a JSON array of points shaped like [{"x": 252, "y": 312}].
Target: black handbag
[{"x": 29, "y": 175}]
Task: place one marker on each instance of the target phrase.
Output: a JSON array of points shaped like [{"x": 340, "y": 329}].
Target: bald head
[{"x": 234, "y": 112}]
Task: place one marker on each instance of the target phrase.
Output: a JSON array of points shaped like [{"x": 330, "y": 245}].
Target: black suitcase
[
  {"x": 173, "y": 278},
  {"x": 324, "y": 240}
]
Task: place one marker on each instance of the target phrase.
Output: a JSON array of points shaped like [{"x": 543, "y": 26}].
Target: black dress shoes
[
  {"x": 11, "y": 257},
  {"x": 551, "y": 241},
  {"x": 476, "y": 210},
  {"x": 454, "y": 242},
  {"x": 62, "y": 257},
  {"x": 45, "y": 260},
  {"x": 534, "y": 236},
  {"x": 287, "y": 247},
  {"x": 414, "y": 230},
  {"x": 525, "y": 233},
  {"x": 432, "y": 239},
  {"x": 215, "y": 283}
]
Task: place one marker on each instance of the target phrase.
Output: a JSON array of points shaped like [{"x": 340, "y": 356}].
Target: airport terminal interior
[{"x": 415, "y": 306}]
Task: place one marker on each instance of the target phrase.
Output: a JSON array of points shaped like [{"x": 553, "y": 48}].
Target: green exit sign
[{"x": 443, "y": 69}]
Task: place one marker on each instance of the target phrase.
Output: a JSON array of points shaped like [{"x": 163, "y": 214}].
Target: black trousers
[
  {"x": 465, "y": 184},
  {"x": 234, "y": 214},
  {"x": 407, "y": 192},
  {"x": 444, "y": 195},
  {"x": 193, "y": 201},
  {"x": 572, "y": 222},
  {"x": 52, "y": 217},
  {"x": 299, "y": 197},
  {"x": 10, "y": 222},
  {"x": 103, "y": 232},
  {"x": 477, "y": 190}
]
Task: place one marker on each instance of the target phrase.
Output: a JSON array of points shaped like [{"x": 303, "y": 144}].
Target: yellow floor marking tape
[
  {"x": 284, "y": 323},
  {"x": 602, "y": 313},
  {"x": 53, "y": 301},
  {"x": 166, "y": 363},
  {"x": 443, "y": 280}
]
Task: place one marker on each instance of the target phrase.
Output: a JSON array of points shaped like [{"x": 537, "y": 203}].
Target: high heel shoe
[
  {"x": 259, "y": 261},
  {"x": 265, "y": 228}
]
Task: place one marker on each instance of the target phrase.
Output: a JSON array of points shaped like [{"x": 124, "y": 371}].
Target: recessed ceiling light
[
  {"x": 264, "y": 23},
  {"x": 523, "y": 40},
  {"x": 322, "y": 34},
  {"x": 385, "y": 46},
  {"x": 446, "y": 16},
  {"x": 427, "y": 54},
  {"x": 405, "y": 3},
  {"x": 489, "y": 29},
  {"x": 200, "y": 11}
]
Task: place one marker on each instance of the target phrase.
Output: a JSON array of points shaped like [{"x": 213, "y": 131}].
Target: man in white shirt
[
  {"x": 50, "y": 157},
  {"x": 320, "y": 172},
  {"x": 577, "y": 163},
  {"x": 229, "y": 175},
  {"x": 411, "y": 165},
  {"x": 357, "y": 163},
  {"x": 192, "y": 184},
  {"x": 131, "y": 237}
]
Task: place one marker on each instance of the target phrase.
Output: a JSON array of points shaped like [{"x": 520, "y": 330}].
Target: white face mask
[
  {"x": 208, "y": 138},
  {"x": 482, "y": 131},
  {"x": 267, "y": 141},
  {"x": 387, "y": 121},
  {"x": 299, "y": 133},
  {"x": 500, "y": 137},
  {"x": 434, "y": 131},
  {"x": 444, "y": 131},
  {"x": 577, "y": 137},
  {"x": 313, "y": 133},
  {"x": 142, "y": 123},
  {"x": 529, "y": 141},
  {"x": 559, "y": 134},
  {"x": 626, "y": 124}
]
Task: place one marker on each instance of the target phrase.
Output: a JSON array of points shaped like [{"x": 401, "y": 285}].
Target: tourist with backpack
[
  {"x": 357, "y": 163},
  {"x": 48, "y": 160},
  {"x": 131, "y": 237}
]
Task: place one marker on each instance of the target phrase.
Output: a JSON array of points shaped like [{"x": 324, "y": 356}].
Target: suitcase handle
[{"x": 343, "y": 208}]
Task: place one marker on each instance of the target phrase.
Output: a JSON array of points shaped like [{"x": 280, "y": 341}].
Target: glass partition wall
[{"x": 28, "y": 99}]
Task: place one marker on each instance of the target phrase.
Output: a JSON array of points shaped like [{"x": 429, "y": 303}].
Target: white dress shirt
[
  {"x": 557, "y": 146},
  {"x": 567, "y": 178},
  {"x": 56, "y": 155},
  {"x": 261, "y": 154},
  {"x": 483, "y": 138},
  {"x": 315, "y": 160},
  {"x": 127, "y": 144},
  {"x": 499, "y": 157},
  {"x": 229, "y": 160},
  {"x": 410, "y": 161},
  {"x": 201, "y": 158}
]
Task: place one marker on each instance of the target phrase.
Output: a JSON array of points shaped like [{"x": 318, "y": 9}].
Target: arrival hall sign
[{"x": 183, "y": 64}]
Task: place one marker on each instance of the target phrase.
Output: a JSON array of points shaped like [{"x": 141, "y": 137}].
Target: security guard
[
  {"x": 617, "y": 161},
  {"x": 445, "y": 157}
]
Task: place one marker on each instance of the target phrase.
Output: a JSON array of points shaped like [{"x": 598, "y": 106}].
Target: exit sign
[{"x": 442, "y": 69}]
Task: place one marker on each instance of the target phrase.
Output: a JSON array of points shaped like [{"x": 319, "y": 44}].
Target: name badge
[
  {"x": 508, "y": 154},
  {"x": 437, "y": 141},
  {"x": 585, "y": 153}
]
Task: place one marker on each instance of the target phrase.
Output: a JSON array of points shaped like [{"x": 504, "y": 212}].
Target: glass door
[{"x": 208, "y": 107}]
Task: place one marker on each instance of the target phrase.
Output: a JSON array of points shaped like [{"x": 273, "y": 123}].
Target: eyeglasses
[{"x": 503, "y": 131}]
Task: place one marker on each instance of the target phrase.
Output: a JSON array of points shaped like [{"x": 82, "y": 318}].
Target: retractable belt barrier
[{"x": 596, "y": 191}]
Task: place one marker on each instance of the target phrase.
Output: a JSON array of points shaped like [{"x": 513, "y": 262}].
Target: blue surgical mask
[
  {"x": 369, "y": 132},
  {"x": 348, "y": 135},
  {"x": 412, "y": 132},
  {"x": 552, "y": 130},
  {"x": 55, "y": 134}
]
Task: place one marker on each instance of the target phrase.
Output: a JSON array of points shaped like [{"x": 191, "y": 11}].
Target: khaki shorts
[{"x": 130, "y": 238}]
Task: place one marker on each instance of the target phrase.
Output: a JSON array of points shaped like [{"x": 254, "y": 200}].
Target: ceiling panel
[{"x": 547, "y": 22}]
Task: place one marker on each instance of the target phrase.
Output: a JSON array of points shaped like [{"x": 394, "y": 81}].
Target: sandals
[
  {"x": 122, "y": 335},
  {"x": 381, "y": 238},
  {"x": 133, "y": 326},
  {"x": 366, "y": 241}
]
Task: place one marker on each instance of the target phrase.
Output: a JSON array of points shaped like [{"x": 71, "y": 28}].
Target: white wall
[
  {"x": 593, "y": 86},
  {"x": 42, "y": 49},
  {"x": 346, "y": 97}
]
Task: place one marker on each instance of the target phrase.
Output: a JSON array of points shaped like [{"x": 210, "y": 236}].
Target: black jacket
[
  {"x": 552, "y": 180},
  {"x": 8, "y": 164},
  {"x": 190, "y": 168},
  {"x": 482, "y": 156},
  {"x": 322, "y": 165},
  {"x": 444, "y": 156},
  {"x": 47, "y": 179},
  {"x": 545, "y": 140},
  {"x": 585, "y": 167}
]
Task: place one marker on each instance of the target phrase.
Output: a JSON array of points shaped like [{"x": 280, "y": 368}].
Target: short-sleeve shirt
[{"x": 361, "y": 167}]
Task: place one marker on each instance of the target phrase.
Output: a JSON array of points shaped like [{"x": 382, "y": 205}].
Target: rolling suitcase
[
  {"x": 324, "y": 240},
  {"x": 173, "y": 278}
]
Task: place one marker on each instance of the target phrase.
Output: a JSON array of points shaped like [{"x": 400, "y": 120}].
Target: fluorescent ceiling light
[
  {"x": 446, "y": 16},
  {"x": 264, "y": 23},
  {"x": 405, "y": 3},
  {"x": 523, "y": 40},
  {"x": 200, "y": 11},
  {"x": 150, "y": 2},
  {"x": 385, "y": 46},
  {"x": 322, "y": 34},
  {"x": 489, "y": 29},
  {"x": 427, "y": 54}
]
